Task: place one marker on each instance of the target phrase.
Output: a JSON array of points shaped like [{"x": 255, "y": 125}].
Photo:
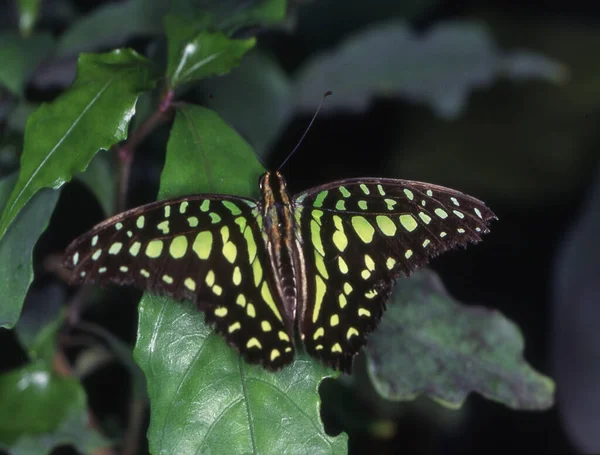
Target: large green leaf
[
  {"x": 427, "y": 343},
  {"x": 254, "y": 99},
  {"x": 204, "y": 397},
  {"x": 62, "y": 137},
  {"x": 439, "y": 69},
  {"x": 197, "y": 54},
  {"x": 41, "y": 410},
  {"x": 19, "y": 57},
  {"x": 16, "y": 249}
]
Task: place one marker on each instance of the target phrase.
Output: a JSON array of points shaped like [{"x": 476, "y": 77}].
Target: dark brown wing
[
  {"x": 358, "y": 236},
  {"x": 205, "y": 248}
]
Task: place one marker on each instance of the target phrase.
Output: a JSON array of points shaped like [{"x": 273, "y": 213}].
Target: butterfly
[{"x": 322, "y": 262}]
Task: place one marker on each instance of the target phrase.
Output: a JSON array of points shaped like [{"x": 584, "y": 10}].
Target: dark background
[{"x": 515, "y": 269}]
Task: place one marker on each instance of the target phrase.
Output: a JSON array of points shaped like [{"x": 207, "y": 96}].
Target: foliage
[{"x": 202, "y": 397}]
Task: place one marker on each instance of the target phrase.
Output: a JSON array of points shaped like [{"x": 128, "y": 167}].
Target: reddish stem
[{"x": 127, "y": 151}]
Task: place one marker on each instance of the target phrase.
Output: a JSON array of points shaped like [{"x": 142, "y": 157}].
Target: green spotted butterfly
[{"x": 324, "y": 260}]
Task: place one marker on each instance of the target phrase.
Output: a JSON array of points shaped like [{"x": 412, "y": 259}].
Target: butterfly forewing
[
  {"x": 207, "y": 249},
  {"x": 359, "y": 235}
]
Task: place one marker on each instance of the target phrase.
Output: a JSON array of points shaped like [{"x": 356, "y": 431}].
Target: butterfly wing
[
  {"x": 358, "y": 236},
  {"x": 207, "y": 249}
]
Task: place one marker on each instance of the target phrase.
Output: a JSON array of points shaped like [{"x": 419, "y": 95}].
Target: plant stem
[{"x": 126, "y": 152}]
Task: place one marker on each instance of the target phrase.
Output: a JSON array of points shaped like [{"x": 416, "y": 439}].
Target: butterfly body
[{"x": 322, "y": 262}]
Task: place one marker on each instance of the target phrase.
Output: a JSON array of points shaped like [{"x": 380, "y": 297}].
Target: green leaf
[
  {"x": 254, "y": 99},
  {"x": 197, "y": 54},
  {"x": 16, "y": 249},
  {"x": 28, "y": 14},
  {"x": 427, "y": 343},
  {"x": 205, "y": 155},
  {"x": 100, "y": 180},
  {"x": 439, "y": 69},
  {"x": 62, "y": 137},
  {"x": 42, "y": 317},
  {"x": 20, "y": 57},
  {"x": 484, "y": 150},
  {"x": 229, "y": 15},
  {"x": 41, "y": 410},
  {"x": 105, "y": 26},
  {"x": 204, "y": 397}
]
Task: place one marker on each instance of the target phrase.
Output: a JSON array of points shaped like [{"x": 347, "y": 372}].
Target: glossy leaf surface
[
  {"x": 196, "y": 54},
  {"x": 62, "y": 137}
]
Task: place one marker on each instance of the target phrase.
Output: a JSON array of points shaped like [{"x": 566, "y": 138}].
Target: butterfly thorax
[{"x": 279, "y": 236}]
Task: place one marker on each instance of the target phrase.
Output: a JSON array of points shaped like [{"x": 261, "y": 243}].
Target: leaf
[
  {"x": 254, "y": 99},
  {"x": 427, "y": 343},
  {"x": 503, "y": 148},
  {"x": 205, "y": 155},
  {"x": 28, "y": 14},
  {"x": 204, "y": 397},
  {"x": 105, "y": 27},
  {"x": 99, "y": 178},
  {"x": 197, "y": 54},
  {"x": 62, "y": 137},
  {"x": 438, "y": 69},
  {"x": 16, "y": 249},
  {"x": 40, "y": 321},
  {"x": 20, "y": 57},
  {"x": 229, "y": 15},
  {"x": 575, "y": 319},
  {"x": 41, "y": 410}
]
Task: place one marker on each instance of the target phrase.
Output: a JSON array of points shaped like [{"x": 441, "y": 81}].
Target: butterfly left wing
[
  {"x": 203, "y": 248},
  {"x": 358, "y": 236}
]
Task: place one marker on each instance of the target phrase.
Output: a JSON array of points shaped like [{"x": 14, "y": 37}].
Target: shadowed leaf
[
  {"x": 16, "y": 249},
  {"x": 58, "y": 405},
  {"x": 99, "y": 178},
  {"x": 429, "y": 344},
  {"x": 439, "y": 69},
  {"x": 229, "y": 15},
  {"x": 20, "y": 56}
]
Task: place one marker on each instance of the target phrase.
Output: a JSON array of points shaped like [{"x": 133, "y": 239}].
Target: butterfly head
[
  {"x": 272, "y": 181},
  {"x": 273, "y": 188}
]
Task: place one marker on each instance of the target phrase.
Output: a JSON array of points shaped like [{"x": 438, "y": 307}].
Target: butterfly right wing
[
  {"x": 205, "y": 248},
  {"x": 359, "y": 235}
]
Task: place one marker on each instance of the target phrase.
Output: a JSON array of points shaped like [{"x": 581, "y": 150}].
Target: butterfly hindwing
[
  {"x": 358, "y": 236},
  {"x": 207, "y": 249}
]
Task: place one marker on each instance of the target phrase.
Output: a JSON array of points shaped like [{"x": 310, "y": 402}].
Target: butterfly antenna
[{"x": 325, "y": 95}]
